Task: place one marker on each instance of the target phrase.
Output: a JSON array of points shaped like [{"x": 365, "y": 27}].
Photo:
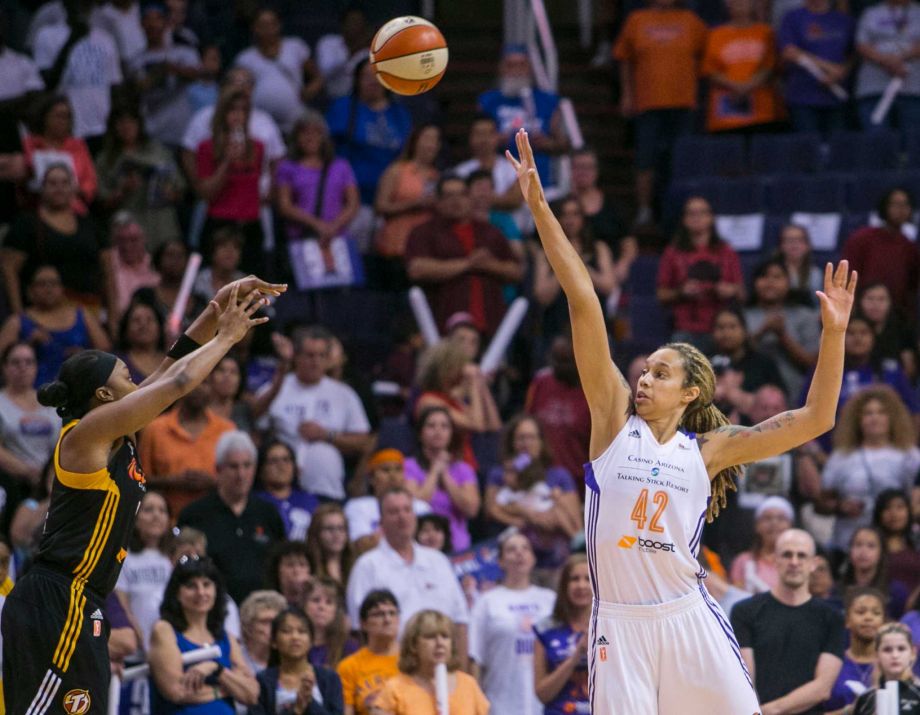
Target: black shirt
[
  {"x": 90, "y": 519},
  {"x": 908, "y": 700},
  {"x": 237, "y": 544},
  {"x": 76, "y": 256},
  {"x": 787, "y": 641}
]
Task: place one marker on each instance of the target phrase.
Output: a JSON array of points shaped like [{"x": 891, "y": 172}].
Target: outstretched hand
[
  {"x": 837, "y": 297},
  {"x": 235, "y": 320},
  {"x": 247, "y": 285},
  {"x": 526, "y": 170}
]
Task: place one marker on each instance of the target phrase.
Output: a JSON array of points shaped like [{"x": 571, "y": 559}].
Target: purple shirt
[
  {"x": 551, "y": 550},
  {"x": 460, "y": 472},
  {"x": 115, "y": 613},
  {"x": 912, "y": 620},
  {"x": 841, "y": 694},
  {"x": 296, "y": 511},
  {"x": 304, "y": 183},
  {"x": 828, "y": 35},
  {"x": 559, "y": 642}
]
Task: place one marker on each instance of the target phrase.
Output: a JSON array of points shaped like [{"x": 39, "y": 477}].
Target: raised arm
[
  {"x": 103, "y": 425},
  {"x": 727, "y": 446},
  {"x": 608, "y": 394}
]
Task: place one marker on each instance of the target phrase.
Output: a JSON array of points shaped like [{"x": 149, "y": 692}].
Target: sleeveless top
[
  {"x": 644, "y": 514},
  {"x": 162, "y": 706},
  {"x": 90, "y": 519},
  {"x": 559, "y": 641},
  {"x": 52, "y": 354},
  {"x": 411, "y": 184}
]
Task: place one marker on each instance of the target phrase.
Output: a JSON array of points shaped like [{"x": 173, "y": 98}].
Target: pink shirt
[
  {"x": 129, "y": 278},
  {"x": 441, "y": 503},
  {"x": 38, "y": 154}
]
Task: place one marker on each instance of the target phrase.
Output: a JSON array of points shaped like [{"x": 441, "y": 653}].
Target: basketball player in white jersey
[{"x": 660, "y": 464}]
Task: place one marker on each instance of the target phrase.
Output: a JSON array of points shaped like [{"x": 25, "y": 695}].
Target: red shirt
[
  {"x": 885, "y": 256},
  {"x": 477, "y": 293},
  {"x": 239, "y": 199},
  {"x": 562, "y": 412},
  {"x": 710, "y": 265}
]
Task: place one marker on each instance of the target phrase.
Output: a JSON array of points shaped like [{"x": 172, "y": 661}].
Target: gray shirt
[
  {"x": 891, "y": 30},
  {"x": 31, "y": 435},
  {"x": 803, "y": 325}
]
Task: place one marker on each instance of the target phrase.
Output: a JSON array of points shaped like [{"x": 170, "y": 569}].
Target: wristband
[{"x": 182, "y": 347}]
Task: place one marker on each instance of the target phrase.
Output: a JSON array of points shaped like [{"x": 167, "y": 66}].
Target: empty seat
[
  {"x": 698, "y": 156},
  {"x": 733, "y": 196},
  {"x": 785, "y": 153},
  {"x": 643, "y": 275},
  {"x": 864, "y": 151},
  {"x": 650, "y": 322},
  {"x": 912, "y": 146},
  {"x": 866, "y": 189},
  {"x": 813, "y": 194}
]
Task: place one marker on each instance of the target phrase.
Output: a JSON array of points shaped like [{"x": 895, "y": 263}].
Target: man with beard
[
  {"x": 518, "y": 103},
  {"x": 556, "y": 400}
]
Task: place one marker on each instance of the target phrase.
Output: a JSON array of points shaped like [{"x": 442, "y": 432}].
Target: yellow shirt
[
  {"x": 363, "y": 676},
  {"x": 403, "y": 696}
]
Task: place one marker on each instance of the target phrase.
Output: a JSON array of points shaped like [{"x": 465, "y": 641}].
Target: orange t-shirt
[
  {"x": 738, "y": 53},
  {"x": 403, "y": 696},
  {"x": 166, "y": 449},
  {"x": 664, "y": 48},
  {"x": 363, "y": 675}
]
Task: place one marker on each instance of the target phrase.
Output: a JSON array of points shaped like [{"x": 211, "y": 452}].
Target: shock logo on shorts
[{"x": 77, "y": 702}]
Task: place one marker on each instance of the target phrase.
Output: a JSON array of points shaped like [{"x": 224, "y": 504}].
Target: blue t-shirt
[
  {"x": 60, "y": 346},
  {"x": 296, "y": 511},
  {"x": 559, "y": 642},
  {"x": 373, "y": 142},
  {"x": 510, "y": 114},
  {"x": 827, "y": 35},
  {"x": 841, "y": 694}
]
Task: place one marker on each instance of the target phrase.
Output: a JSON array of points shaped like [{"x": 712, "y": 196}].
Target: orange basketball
[{"x": 409, "y": 55}]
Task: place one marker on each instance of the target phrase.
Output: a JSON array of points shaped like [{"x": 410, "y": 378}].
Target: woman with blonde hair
[
  {"x": 426, "y": 643},
  {"x": 874, "y": 450}
]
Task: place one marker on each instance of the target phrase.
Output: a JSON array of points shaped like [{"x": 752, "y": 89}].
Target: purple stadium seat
[
  {"x": 698, "y": 156},
  {"x": 859, "y": 151},
  {"x": 785, "y": 153}
]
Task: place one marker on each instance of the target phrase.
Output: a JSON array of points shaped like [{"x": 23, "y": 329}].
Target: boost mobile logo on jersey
[{"x": 646, "y": 545}]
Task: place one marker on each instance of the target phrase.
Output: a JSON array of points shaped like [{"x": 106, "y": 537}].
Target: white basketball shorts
[{"x": 674, "y": 658}]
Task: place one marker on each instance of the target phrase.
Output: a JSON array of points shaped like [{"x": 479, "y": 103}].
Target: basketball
[{"x": 409, "y": 55}]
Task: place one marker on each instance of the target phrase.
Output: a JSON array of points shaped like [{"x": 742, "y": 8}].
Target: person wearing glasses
[{"x": 364, "y": 673}]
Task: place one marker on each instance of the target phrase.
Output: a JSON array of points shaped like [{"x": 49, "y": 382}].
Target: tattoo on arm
[{"x": 774, "y": 423}]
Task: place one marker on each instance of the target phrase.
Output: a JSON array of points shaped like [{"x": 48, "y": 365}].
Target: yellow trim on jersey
[
  {"x": 74, "y": 623},
  {"x": 100, "y": 479}
]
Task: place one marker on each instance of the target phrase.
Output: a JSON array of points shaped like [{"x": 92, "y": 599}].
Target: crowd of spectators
[{"x": 313, "y": 501}]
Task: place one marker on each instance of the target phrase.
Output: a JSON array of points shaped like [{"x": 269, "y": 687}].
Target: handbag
[{"x": 339, "y": 264}]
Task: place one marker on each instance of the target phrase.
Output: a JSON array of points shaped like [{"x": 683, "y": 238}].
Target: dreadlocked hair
[{"x": 702, "y": 416}]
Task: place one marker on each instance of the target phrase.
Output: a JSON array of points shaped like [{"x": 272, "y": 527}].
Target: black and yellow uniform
[{"x": 55, "y": 637}]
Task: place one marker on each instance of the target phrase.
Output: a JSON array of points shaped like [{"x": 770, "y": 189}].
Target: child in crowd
[{"x": 894, "y": 648}]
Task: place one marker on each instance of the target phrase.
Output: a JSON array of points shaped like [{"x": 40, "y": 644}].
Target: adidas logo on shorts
[
  {"x": 602, "y": 641},
  {"x": 97, "y": 615},
  {"x": 635, "y": 433}
]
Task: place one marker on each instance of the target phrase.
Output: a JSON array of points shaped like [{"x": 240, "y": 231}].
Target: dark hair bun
[{"x": 53, "y": 394}]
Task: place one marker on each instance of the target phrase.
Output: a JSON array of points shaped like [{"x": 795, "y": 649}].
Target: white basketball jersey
[{"x": 644, "y": 514}]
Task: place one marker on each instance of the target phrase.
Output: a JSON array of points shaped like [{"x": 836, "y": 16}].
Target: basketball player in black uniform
[{"x": 55, "y": 655}]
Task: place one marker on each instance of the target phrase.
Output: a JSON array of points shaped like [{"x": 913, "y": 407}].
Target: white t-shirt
[
  {"x": 336, "y": 65},
  {"x": 143, "y": 579},
  {"x": 124, "y": 26},
  {"x": 165, "y": 104},
  {"x": 278, "y": 80},
  {"x": 336, "y": 407},
  {"x": 20, "y": 74},
  {"x": 863, "y": 474},
  {"x": 428, "y": 581},
  {"x": 501, "y": 642},
  {"x": 363, "y": 515},
  {"x": 92, "y": 69}
]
